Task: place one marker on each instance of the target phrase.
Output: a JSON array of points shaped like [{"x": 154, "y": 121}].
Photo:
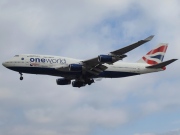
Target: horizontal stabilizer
[{"x": 162, "y": 64}]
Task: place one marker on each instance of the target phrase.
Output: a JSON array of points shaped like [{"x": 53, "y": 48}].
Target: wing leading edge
[{"x": 131, "y": 47}]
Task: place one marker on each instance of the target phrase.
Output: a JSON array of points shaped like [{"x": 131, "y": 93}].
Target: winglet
[{"x": 149, "y": 38}]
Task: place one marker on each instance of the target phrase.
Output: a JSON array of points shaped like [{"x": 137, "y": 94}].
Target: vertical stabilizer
[{"x": 155, "y": 56}]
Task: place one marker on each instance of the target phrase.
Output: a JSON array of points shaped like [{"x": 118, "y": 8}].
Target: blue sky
[{"x": 141, "y": 105}]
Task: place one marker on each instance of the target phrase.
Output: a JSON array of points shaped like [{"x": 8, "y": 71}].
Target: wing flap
[
  {"x": 93, "y": 72},
  {"x": 96, "y": 70},
  {"x": 91, "y": 62},
  {"x": 162, "y": 64}
]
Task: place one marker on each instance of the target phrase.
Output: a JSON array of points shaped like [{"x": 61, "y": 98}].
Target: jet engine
[
  {"x": 63, "y": 81},
  {"x": 78, "y": 84},
  {"x": 105, "y": 58},
  {"x": 75, "y": 67}
]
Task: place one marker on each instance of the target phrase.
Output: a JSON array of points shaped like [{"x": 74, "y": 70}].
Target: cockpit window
[{"x": 16, "y": 56}]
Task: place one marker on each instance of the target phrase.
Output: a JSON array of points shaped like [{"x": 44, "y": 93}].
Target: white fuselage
[{"x": 48, "y": 65}]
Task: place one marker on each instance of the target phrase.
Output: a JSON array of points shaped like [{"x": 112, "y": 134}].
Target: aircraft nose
[{"x": 4, "y": 64}]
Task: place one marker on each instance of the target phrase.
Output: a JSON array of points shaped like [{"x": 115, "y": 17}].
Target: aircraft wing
[
  {"x": 131, "y": 47},
  {"x": 94, "y": 66}
]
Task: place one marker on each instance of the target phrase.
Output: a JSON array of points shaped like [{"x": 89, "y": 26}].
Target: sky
[{"x": 141, "y": 105}]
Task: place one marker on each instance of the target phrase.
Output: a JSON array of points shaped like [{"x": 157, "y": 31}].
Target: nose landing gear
[{"x": 21, "y": 76}]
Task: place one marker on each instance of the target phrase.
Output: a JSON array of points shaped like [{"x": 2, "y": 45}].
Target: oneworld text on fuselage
[{"x": 51, "y": 61}]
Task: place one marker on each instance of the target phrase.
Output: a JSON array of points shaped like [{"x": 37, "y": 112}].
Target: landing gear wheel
[
  {"x": 90, "y": 82},
  {"x": 21, "y": 77}
]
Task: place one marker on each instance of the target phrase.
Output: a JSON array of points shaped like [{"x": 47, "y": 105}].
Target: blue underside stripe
[{"x": 54, "y": 72}]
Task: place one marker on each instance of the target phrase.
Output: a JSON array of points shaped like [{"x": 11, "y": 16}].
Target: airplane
[{"x": 83, "y": 72}]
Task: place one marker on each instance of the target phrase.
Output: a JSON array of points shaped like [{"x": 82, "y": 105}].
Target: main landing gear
[
  {"x": 21, "y": 76},
  {"x": 89, "y": 82}
]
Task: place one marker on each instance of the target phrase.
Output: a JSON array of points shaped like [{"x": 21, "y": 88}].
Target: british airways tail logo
[
  {"x": 156, "y": 55},
  {"x": 51, "y": 61}
]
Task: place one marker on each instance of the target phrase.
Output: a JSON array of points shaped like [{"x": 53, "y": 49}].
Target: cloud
[
  {"x": 145, "y": 134},
  {"x": 173, "y": 132}
]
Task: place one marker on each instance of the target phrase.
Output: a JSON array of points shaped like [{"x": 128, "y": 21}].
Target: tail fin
[{"x": 155, "y": 56}]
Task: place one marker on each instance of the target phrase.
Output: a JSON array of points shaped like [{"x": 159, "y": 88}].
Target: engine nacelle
[
  {"x": 105, "y": 58},
  {"x": 63, "y": 81},
  {"x": 75, "y": 67},
  {"x": 78, "y": 84}
]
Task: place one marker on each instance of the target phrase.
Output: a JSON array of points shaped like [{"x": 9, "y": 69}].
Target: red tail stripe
[
  {"x": 151, "y": 62},
  {"x": 160, "y": 49}
]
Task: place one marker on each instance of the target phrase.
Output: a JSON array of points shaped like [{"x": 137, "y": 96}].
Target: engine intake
[
  {"x": 75, "y": 67},
  {"x": 105, "y": 58},
  {"x": 78, "y": 84},
  {"x": 63, "y": 81}
]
